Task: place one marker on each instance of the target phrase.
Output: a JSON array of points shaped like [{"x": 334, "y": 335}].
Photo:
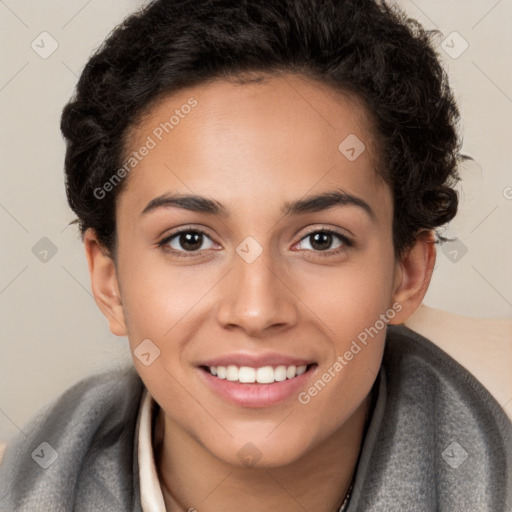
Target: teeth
[
  {"x": 300, "y": 370},
  {"x": 263, "y": 375},
  {"x": 280, "y": 373},
  {"x": 291, "y": 371},
  {"x": 246, "y": 374},
  {"x": 231, "y": 372}
]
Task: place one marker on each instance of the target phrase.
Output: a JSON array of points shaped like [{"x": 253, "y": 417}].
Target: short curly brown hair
[{"x": 358, "y": 46}]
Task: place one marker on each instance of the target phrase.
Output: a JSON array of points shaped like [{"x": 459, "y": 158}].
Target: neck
[{"x": 192, "y": 478}]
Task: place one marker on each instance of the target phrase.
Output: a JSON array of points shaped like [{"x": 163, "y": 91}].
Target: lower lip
[{"x": 254, "y": 394}]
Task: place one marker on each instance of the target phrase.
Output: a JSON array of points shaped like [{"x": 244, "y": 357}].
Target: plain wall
[{"x": 52, "y": 331}]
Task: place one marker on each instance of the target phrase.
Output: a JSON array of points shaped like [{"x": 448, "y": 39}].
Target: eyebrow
[
  {"x": 310, "y": 204},
  {"x": 325, "y": 201}
]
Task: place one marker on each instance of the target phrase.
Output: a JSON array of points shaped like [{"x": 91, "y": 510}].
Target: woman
[{"x": 258, "y": 186}]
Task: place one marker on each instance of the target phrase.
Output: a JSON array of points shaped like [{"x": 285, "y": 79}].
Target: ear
[
  {"x": 105, "y": 287},
  {"x": 412, "y": 276}
]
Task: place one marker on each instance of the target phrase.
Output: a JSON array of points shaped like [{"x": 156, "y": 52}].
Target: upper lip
[{"x": 256, "y": 360}]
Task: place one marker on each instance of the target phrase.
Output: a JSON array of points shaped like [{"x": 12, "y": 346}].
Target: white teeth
[
  {"x": 301, "y": 369},
  {"x": 280, "y": 373},
  {"x": 262, "y": 375},
  {"x": 246, "y": 374},
  {"x": 231, "y": 372},
  {"x": 291, "y": 371},
  {"x": 265, "y": 375}
]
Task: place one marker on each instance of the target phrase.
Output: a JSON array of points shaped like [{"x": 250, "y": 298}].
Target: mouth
[
  {"x": 257, "y": 387},
  {"x": 261, "y": 375}
]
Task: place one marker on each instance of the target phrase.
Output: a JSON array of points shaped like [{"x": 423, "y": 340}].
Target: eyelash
[{"x": 347, "y": 242}]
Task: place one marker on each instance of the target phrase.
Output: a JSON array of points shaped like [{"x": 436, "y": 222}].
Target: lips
[{"x": 250, "y": 380}]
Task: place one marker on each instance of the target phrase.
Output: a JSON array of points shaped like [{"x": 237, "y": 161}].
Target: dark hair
[{"x": 362, "y": 47}]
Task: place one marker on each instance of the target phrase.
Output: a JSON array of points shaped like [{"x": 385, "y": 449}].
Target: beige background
[{"x": 53, "y": 333}]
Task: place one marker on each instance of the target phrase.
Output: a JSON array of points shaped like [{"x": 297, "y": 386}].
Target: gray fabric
[
  {"x": 426, "y": 401},
  {"x": 92, "y": 429}
]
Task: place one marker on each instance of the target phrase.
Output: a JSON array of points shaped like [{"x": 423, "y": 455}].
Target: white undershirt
[{"x": 152, "y": 499}]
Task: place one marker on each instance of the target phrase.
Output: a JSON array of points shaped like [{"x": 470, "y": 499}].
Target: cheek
[
  {"x": 354, "y": 306},
  {"x": 159, "y": 301},
  {"x": 346, "y": 376},
  {"x": 351, "y": 297},
  {"x": 156, "y": 295}
]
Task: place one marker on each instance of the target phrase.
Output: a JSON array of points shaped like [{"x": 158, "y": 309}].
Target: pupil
[
  {"x": 187, "y": 240},
  {"x": 318, "y": 238}
]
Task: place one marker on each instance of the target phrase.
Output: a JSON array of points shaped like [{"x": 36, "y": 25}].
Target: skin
[{"x": 254, "y": 147}]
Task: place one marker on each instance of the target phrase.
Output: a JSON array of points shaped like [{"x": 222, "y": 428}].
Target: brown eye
[
  {"x": 186, "y": 240},
  {"x": 190, "y": 241},
  {"x": 325, "y": 242},
  {"x": 321, "y": 240}
]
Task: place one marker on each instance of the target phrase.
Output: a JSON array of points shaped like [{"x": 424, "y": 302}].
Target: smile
[
  {"x": 263, "y": 386},
  {"x": 262, "y": 375}
]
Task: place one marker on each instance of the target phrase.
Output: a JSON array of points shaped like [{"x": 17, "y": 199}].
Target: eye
[
  {"x": 321, "y": 240},
  {"x": 186, "y": 240}
]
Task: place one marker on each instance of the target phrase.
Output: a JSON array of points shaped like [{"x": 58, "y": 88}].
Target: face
[{"x": 285, "y": 258}]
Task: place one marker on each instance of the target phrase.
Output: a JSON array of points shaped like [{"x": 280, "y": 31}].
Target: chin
[{"x": 261, "y": 451}]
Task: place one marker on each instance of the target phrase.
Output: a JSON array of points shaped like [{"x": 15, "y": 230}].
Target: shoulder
[
  {"x": 103, "y": 389},
  {"x": 421, "y": 369},
  {"x": 483, "y": 346},
  {"x": 91, "y": 397},
  {"x": 98, "y": 395},
  {"x": 89, "y": 400},
  {"x": 93, "y": 420},
  {"x": 439, "y": 429},
  {"x": 434, "y": 394}
]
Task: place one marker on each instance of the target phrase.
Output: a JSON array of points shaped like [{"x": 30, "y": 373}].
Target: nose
[{"x": 256, "y": 297}]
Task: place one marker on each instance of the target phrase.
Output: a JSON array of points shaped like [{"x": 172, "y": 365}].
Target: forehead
[{"x": 280, "y": 137}]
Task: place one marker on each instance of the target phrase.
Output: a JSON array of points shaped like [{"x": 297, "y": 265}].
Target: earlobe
[
  {"x": 104, "y": 283},
  {"x": 413, "y": 274}
]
